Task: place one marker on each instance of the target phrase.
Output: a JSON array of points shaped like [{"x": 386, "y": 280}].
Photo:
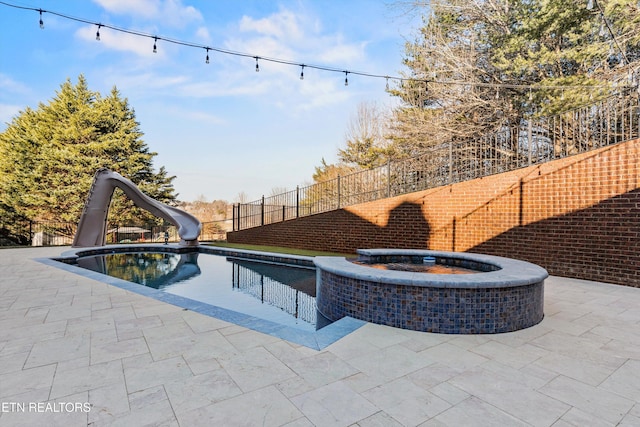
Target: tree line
[{"x": 478, "y": 67}]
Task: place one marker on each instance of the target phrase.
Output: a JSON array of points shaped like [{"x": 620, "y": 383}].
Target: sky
[{"x": 221, "y": 128}]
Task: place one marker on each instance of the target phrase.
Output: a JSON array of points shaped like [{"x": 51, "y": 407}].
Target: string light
[
  {"x": 346, "y": 78},
  {"x": 387, "y": 84},
  {"x": 207, "y": 58},
  {"x": 590, "y": 5},
  {"x": 302, "y": 72},
  {"x": 98, "y": 32}
]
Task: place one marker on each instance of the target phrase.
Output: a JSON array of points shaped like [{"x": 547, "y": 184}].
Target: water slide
[{"x": 93, "y": 222}]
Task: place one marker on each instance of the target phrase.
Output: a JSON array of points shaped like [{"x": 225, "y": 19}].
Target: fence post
[
  {"x": 338, "y": 191},
  {"x": 262, "y": 211},
  {"x": 233, "y": 217},
  {"x": 530, "y": 138},
  {"x": 297, "y": 201},
  {"x": 637, "y": 100},
  {"x": 283, "y": 213},
  {"x": 388, "y": 178},
  {"x": 451, "y": 161}
]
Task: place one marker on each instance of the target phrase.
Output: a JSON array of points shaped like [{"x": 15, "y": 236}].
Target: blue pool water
[{"x": 280, "y": 293}]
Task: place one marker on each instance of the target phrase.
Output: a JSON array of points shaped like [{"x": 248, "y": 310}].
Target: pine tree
[
  {"x": 366, "y": 145},
  {"x": 472, "y": 63},
  {"x": 48, "y": 156}
]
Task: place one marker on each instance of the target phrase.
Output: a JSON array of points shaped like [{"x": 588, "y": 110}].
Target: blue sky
[{"x": 221, "y": 128}]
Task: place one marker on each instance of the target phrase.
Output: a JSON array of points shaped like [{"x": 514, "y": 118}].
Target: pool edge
[{"x": 317, "y": 340}]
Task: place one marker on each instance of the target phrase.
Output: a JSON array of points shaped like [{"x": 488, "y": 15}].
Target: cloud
[
  {"x": 144, "y": 8},
  {"x": 342, "y": 53},
  {"x": 7, "y": 84},
  {"x": 287, "y": 35},
  {"x": 148, "y": 82},
  {"x": 168, "y": 12},
  {"x": 202, "y": 33},
  {"x": 284, "y": 24},
  {"x": 124, "y": 42},
  {"x": 298, "y": 38},
  {"x": 221, "y": 88},
  {"x": 7, "y": 113}
]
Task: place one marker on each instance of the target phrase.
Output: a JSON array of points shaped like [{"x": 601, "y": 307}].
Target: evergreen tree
[
  {"x": 472, "y": 61},
  {"x": 48, "y": 156},
  {"x": 366, "y": 144}
]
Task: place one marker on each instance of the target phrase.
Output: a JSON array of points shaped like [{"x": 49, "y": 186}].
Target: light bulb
[
  {"x": 41, "y": 21},
  {"x": 155, "y": 48},
  {"x": 207, "y": 58},
  {"x": 98, "y": 33},
  {"x": 302, "y": 72},
  {"x": 257, "y": 66},
  {"x": 346, "y": 79},
  {"x": 590, "y": 5}
]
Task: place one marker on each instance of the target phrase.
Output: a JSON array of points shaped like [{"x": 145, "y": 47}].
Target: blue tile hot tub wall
[{"x": 441, "y": 310}]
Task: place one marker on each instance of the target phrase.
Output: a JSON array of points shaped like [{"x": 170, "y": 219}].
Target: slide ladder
[{"x": 92, "y": 228}]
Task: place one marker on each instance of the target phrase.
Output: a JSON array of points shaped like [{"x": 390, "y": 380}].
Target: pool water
[
  {"x": 276, "y": 292},
  {"x": 418, "y": 267}
]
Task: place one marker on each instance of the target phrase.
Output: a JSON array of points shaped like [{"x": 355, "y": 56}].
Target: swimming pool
[
  {"x": 277, "y": 292},
  {"x": 247, "y": 278}
]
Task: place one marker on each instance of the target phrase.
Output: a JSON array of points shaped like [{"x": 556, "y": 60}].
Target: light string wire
[
  {"x": 590, "y": 4},
  {"x": 157, "y": 38}
]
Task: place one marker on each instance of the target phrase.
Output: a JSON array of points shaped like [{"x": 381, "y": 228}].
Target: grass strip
[{"x": 277, "y": 249}]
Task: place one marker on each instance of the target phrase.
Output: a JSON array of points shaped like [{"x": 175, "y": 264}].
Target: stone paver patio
[{"x": 69, "y": 343}]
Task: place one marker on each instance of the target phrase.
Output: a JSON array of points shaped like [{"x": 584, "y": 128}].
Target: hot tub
[{"x": 501, "y": 294}]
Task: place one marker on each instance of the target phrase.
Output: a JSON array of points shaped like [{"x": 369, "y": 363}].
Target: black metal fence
[
  {"x": 607, "y": 122},
  {"x": 36, "y": 233},
  {"x": 52, "y": 233},
  {"x": 271, "y": 291}
]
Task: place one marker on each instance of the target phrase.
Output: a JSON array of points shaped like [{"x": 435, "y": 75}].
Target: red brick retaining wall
[{"x": 576, "y": 217}]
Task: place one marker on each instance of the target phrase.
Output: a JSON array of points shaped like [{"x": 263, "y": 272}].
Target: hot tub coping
[{"x": 511, "y": 272}]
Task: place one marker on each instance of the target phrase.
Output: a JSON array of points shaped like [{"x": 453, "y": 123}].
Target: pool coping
[
  {"x": 511, "y": 272},
  {"x": 317, "y": 340}
]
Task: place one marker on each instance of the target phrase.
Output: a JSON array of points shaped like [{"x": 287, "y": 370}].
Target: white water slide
[{"x": 92, "y": 228}]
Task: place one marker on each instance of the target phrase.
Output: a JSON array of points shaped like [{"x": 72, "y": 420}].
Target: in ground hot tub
[{"x": 497, "y": 295}]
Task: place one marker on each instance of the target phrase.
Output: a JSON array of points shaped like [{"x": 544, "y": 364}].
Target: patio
[{"x": 69, "y": 340}]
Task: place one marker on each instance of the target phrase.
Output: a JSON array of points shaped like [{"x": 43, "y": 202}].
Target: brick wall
[{"x": 577, "y": 217}]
